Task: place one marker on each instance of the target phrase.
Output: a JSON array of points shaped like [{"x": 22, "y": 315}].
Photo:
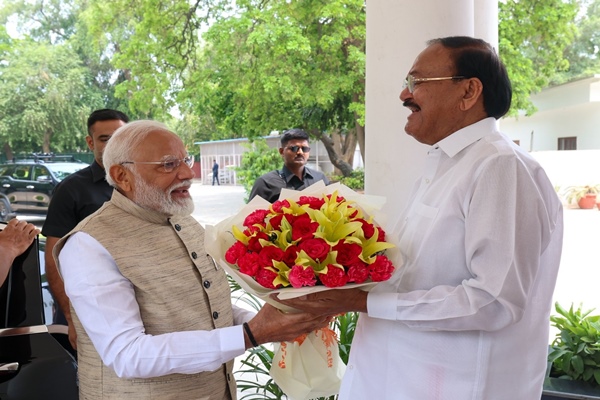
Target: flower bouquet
[{"x": 311, "y": 240}]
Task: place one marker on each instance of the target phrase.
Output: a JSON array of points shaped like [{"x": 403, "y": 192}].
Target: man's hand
[
  {"x": 14, "y": 240},
  {"x": 273, "y": 325},
  {"x": 72, "y": 335},
  {"x": 57, "y": 287},
  {"x": 17, "y": 237},
  {"x": 329, "y": 302}
]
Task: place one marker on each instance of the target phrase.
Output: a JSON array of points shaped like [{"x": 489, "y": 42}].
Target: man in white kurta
[{"x": 467, "y": 314}]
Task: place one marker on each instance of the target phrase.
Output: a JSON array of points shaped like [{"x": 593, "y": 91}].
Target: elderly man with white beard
[{"x": 152, "y": 310}]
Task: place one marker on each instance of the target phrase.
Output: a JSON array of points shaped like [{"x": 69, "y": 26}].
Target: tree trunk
[
  {"x": 46, "y": 140},
  {"x": 336, "y": 156},
  {"x": 8, "y": 152},
  {"x": 360, "y": 131}
]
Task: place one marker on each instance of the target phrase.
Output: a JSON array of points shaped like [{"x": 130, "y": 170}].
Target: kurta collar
[{"x": 466, "y": 136}]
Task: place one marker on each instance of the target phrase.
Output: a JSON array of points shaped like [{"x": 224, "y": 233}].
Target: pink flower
[
  {"x": 335, "y": 277},
  {"x": 381, "y": 269},
  {"x": 302, "y": 276},
  {"x": 347, "y": 253},
  {"x": 248, "y": 264},
  {"x": 316, "y": 249},
  {"x": 256, "y": 217},
  {"x": 358, "y": 272},
  {"x": 234, "y": 252},
  {"x": 270, "y": 253},
  {"x": 265, "y": 278},
  {"x": 303, "y": 227}
]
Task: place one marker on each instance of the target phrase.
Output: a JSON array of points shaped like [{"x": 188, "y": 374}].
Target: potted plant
[
  {"x": 584, "y": 196},
  {"x": 574, "y": 358}
]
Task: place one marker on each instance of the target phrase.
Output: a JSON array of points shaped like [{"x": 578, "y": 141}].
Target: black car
[
  {"x": 33, "y": 364},
  {"x": 29, "y": 184}
]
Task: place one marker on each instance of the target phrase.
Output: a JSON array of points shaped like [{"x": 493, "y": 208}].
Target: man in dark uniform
[
  {"x": 294, "y": 175},
  {"x": 215, "y": 173},
  {"x": 77, "y": 196}
]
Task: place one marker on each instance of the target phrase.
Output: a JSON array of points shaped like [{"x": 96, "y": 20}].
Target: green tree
[
  {"x": 258, "y": 160},
  {"x": 263, "y": 66},
  {"x": 44, "y": 101},
  {"x": 584, "y": 53},
  {"x": 532, "y": 37}
]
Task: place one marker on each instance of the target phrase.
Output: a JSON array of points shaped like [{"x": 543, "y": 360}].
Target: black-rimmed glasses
[
  {"x": 169, "y": 164},
  {"x": 411, "y": 81},
  {"x": 294, "y": 149}
]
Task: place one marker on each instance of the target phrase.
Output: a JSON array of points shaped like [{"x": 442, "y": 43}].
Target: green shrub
[
  {"x": 355, "y": 181},
  {"x": 259, "y": 160},
  {"x": 575, "y": 352}
]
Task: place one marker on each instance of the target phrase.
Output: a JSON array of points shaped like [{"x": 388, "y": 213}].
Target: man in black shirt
[
  {"x": 77, "y": 196},
  {"x": 294, "y": 175}
]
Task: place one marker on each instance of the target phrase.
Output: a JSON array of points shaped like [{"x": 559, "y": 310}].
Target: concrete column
[{"x": 396, "y": 33}]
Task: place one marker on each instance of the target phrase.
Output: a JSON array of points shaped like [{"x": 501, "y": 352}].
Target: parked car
[
  {"x": 6, "y": 212},
  {"x": 29, "y": 184},
  {"x": 33, "y": 365}
]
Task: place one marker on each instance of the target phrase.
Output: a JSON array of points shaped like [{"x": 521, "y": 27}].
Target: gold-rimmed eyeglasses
[
  {"x": 169, "y": 164},
  {"x": 411, "y": 81}
]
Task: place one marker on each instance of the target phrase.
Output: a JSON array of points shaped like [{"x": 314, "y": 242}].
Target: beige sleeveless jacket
[{"x": 177, "y": 287}]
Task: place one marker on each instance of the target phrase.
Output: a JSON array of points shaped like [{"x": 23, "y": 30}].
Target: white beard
[{"x": 153, "y": 198}]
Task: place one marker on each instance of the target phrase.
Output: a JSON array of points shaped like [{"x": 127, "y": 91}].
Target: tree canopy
[{"x": 214, "y": 69}]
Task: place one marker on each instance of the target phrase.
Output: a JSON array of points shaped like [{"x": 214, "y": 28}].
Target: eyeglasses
[
  {"x": 294, "y": 149},
  {"x": 169, "y": 164},
  {"x": 411, "y": 81}
]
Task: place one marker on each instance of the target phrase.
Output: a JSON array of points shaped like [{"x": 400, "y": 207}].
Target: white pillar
[{"x": 396, "y": 34}]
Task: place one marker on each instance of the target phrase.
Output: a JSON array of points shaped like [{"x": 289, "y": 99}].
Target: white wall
[{"x": 572, "y": 109}]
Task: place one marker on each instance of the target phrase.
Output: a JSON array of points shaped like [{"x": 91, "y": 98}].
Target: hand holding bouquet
[{"x": 308, "y": 241}]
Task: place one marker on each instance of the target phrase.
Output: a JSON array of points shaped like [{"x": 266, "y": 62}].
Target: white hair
[{"x": 124, "y": 143}]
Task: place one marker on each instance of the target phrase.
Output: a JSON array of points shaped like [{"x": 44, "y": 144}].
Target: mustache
[
  {"x": 186, "y": 183},
  {"x": 410, "y": 104}
]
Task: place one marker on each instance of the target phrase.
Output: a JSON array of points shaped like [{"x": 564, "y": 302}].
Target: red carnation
[
  {"x": 276, "y": 220},
  {"x": 265, "y": 278},
  {"x": 248, "y": 264},
  {"x": 256, "y": 217},
  {"x": 316, "y": 249},
  {"x": 381, "y": 237},
  {"x": 302, "y": 276},
  {"x": 291, "y": 253},
  {"x": 303, "y": 227},
  {"x": 313, "y": 202},
  {"x": 358, "y": 272},
  {"x": 270, "y": 253},
  {"x": 235, "y": 252},
  {"x": 279, "y": 204},
  {"x": 367, "y": 228},
  {"x": 254, "y": 244},
  {"x": 381, "y": 269},
  {"x": 347, "y": 253},
  {"x": 335, "y": 277}
]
